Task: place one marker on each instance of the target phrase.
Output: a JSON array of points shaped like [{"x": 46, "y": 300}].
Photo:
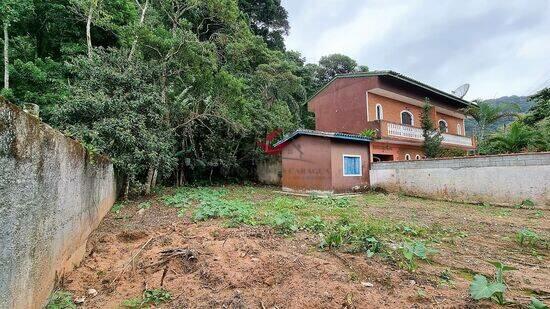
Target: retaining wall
[
  {"x": 500, "y": 179},
  {"x": 269, "y": 171},
  {"x": 52, "y": 195}
]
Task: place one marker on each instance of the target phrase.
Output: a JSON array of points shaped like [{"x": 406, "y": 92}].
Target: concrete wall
[
  {"x": 502, "y": 179},
  {"x": 52, "y": 195},
  {"x": 270, "y": 170}
]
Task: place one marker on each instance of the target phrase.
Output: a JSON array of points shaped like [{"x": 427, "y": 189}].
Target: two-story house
[
  {"x": 335, "y": 157},
  {"x": 390, "y": 103}
]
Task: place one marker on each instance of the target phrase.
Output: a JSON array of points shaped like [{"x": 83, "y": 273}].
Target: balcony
[{"x": 404, "y": 132}]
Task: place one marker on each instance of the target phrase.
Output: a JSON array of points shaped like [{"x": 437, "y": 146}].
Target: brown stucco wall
[
  {"x": 392, "y": 109},
  {"x": 52, "y": 195},
  {"x": 342, "y": 106},
  {"x": 306, "y": 164},
  {"x": 341, "y": 183},
  {"x": 313, "y": 163}
]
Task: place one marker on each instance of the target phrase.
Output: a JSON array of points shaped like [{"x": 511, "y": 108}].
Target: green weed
[
  {"x": 481, "y": 288},
  {"x": 150, "y": 297},
  {"x": 61, "y": 300},
  {"x": 412, "y": 251},
  {"x": 144, "y": 205},
  {"x": 536, "y": 304},
  {"x": 527, "y": 236},
  {"x": 314, "y": 224},
  {"x": 117, "y": 207},
  {"x": 283, "y": 221}
]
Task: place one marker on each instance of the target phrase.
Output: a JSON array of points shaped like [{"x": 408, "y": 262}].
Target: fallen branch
[{"x": 131, "y": 261}]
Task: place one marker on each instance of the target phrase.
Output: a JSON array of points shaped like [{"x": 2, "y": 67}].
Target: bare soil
[{"x": 254, "y": 267}]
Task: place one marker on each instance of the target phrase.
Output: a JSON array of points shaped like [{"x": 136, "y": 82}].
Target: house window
[
  {"x": 407, "y": 157},
  {"x": 379, "y": 112},
  {"x": 458, "y": 129},
  {"x": 443, "y": 126},
  {"x": 417, "y": 157},
  {"x": 352, "y": 165},
  {"x": 407, "y": 118}
]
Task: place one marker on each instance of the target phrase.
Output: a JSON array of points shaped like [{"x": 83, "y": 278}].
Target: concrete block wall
[
  {"x": 500, "y": 179},
  {"x": 270, "y": 170},
  {"x": 52, "y": 195}
]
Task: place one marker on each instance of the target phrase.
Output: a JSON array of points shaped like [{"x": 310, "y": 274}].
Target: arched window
[
  {"x": 407, "y": 157},
  {"x": 379, "y": 112},
  {"x": 407, "y": 118},
  {"x": 458, "y": 129},
  {"x": 417, "y": 157},
  {"x": 443, "y": 126}
]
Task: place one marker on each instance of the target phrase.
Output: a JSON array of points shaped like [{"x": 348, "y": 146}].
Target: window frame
[
  {"x": 446, "y": 125},
  {"x": 417, "y": 157},
  {"x": 409, "y": 157},
  {"x": 458, "y": 129},
  {"x": 410, "y": 114},
  {"x": 344, "y": 165},
  {"x": 376, "y": 112}
]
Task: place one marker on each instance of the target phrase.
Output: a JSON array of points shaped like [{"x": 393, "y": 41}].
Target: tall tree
[
  {"x": 11, "y": 11},
  {"x": 268, "y": 19},
  {"x": 541, "y": 109},
  {"x": 432, "y": 137}
]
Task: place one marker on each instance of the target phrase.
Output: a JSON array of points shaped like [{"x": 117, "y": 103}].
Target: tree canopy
[{"x": 179, "y": 90}]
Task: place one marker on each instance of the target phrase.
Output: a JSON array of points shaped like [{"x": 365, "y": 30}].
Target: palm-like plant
[
  {"x": 517, "y": 138},
  {"x": 486, "y": 114}
]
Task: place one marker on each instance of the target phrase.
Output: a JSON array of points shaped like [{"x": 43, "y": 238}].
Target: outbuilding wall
[
  {"x": 341, "y": 183},
  {"x": 500, "y": 179},
  {"x": 306, "y": 165}
]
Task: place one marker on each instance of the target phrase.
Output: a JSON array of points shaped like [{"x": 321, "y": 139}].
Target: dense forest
[{"x": 174, "y": 90}]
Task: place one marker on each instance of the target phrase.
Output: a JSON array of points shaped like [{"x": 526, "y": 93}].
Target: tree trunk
[
  {"x": 89, "y": 28},
  {"x": 150, "y": 174},
  {"x": 6, "y": 57},
  {"x": 141, "y": 20},
  {"x": 126, "y": 188},
  {"x": 154, "y": 180}
]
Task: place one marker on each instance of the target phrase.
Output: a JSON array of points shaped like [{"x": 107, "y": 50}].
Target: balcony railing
[
  {"x": 399, "y": 130},
  {"x": 391, "y": 129}
]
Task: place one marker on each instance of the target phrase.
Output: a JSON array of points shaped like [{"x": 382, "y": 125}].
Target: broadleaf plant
[{"x": 481, "y": 288}]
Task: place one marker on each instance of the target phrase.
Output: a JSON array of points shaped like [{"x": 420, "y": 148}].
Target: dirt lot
[{"x": 267, "y": 250}]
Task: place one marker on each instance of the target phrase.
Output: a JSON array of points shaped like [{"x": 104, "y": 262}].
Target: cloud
[{"x": 500, "y": 47}]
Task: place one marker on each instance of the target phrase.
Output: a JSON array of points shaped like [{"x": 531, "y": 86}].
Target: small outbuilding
[{"x": 325, "y": 162}]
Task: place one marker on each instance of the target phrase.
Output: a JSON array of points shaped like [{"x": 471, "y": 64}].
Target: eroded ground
[{"x": 274, "y": 251}]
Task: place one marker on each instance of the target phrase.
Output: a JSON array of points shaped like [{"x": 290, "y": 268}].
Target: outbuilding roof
[
  {"x": 333, "y": 135},
  {"x": 398, "y": 76}
]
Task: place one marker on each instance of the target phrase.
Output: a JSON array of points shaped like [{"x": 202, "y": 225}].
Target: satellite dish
[{"x": 461, "y": 91}]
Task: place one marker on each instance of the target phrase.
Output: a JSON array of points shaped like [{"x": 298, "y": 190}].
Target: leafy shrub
[
  {"x": 314, "y": 224},
  {"x": 415, "y": 250},
  {"x": 526, "y": 236},
  {"x": 150, "y": 297},
  {"x": 481, "y": 288},
  {"x": 213, "y": 207},
  {"x": 357, "y": 235},
  {"x": 371, "y": 133},
  {"x": 284, "y": 222},
  {"x": 61, "y": 300},
  {"x": 117, "y": 207},
  {"x": 341, "y": 202},
  {"x": 179, "y": 199}
]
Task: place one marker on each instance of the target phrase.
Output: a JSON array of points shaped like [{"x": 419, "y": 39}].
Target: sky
[{"x": 500, "y": 47}]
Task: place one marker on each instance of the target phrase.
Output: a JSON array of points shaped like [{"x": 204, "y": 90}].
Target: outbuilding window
[
  {"x": 352, "y": 165},
  {"x": 379, "y": 112},
  {"x": 407, "y": 118}
]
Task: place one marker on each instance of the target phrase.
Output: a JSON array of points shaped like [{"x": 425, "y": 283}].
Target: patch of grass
[
  {"x": 144, "y": 205},
  {"x": 283, "y": 221},
  {"x": 150, "y": 297},
  {"x": 61, "y": 300},
  {"x": 314, "y": 224}
]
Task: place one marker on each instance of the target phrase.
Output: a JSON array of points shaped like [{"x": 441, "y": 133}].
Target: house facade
[{"x": 391, "y": 104}]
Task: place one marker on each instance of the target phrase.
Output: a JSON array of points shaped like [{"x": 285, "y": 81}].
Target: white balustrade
[
  {"x": 399, "y": 130},
  {"x": 457, "y": 140},
  {"x": 395, "y": 129}
]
